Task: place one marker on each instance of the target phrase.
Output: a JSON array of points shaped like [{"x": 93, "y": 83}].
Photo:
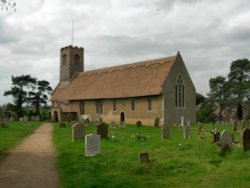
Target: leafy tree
[
  {"x": 206, "y": 114},
  {"x": 200, "y": 99},
  {"x": 239, "y": 84},
  {"x": 219, "y": 93},
  {"x": 18, "y": 91},
  {"x": 39, "y": 96}
]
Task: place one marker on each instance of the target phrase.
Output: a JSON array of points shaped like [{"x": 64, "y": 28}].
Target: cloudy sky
[{"x": 210, "y": 34}]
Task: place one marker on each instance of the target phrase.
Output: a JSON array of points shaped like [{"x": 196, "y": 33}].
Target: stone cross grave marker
[
  {"x": 143, "y": 157},
  {"x": 78, "y": 131},
  {"x": 92, "y": 145},
  {"x": 226, "y": 141},
  {"x": 165, "y": 132},
  {"x": 245, "y": 138},
  {"x": 102, "y": 130}
]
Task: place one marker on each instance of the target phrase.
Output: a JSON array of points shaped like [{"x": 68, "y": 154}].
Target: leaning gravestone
[
  {"x": 226, "y": 141},
  {"x": 78, "y": 131},
  {"x": 165, "y": 132},
  {"x": 143, "y": 157},
  {"x": 102, "y": 130},
  {"x": 245, "y": 137},
  {"x": 92, "y": 145}
]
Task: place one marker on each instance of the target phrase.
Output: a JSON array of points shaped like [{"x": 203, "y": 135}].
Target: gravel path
[{"x": 32, "y": 163}]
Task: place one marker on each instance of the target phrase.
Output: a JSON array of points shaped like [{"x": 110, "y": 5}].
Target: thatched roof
[{"x": 131, "y": 80}]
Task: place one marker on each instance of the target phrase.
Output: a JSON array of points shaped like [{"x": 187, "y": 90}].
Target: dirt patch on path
[{"x": 32, "y": 163}]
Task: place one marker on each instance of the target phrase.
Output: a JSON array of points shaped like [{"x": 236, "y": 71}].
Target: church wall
[
  {"x": 140, "y": 113},
  {"x": 173, "y": 114}
]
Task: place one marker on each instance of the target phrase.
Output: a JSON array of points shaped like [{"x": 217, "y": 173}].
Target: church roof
[{"x": 132, "y": 80}]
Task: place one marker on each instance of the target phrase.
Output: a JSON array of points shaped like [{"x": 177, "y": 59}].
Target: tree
[
  {"x": 239, "y": 82},
  {"x": 19, "y": 91},
  {"x": 218, "y": 93},
  {"x": 206, "y": 114},
  {"x": 39, "y": 96},
  {"x": 200, "y": 99}
]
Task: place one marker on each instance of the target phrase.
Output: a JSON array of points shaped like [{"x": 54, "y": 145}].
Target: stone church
[{"x": 152, "y": 91}]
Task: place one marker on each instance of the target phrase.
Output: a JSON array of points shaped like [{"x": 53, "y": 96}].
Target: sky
[{"x": 209, "y": 34}]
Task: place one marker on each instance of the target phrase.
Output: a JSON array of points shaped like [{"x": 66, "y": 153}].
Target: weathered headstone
[
  {"x": 122, "y": 124},
  {"x": 157, "y": 122},
  {"x": 92, "y": 145},
  {"x": 5, "y": 123},
  {"x": 165, "y": 132},
  {"x": 62, "y": 125},
  {"x": 102, "y": 130},
  {"x": 25, "y": 119},
  {"x": 182, "y": 120},
  {"x": 138, "y": 123},
  {"x": 216, "y": 135},
  {"x": 245, "y": 138},
  {"x": 20, "y": 119},
  {"x": 78, "y": 131},
  {"x": 12, "y": 119},
  {"x": 143, "y": 157},
  {"x": 186, "y": 132},
  {"x": 226, "y": 141},
  {"x": 112, "y": 124}
]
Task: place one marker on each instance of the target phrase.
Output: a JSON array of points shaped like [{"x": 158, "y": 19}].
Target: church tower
[{"x": 71, "y": 62}]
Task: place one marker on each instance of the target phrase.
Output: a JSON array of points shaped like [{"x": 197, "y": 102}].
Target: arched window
[
  {"x": 64, "y": 60},
  {"x": 76, "y": 59},
  {"x": 179, "y": 92}
]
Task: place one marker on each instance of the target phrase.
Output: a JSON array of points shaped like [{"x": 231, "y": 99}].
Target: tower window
[
  {"x": 179, "y": 93},
  {"x": 64, "y": 60},
  {"x": 76, "y": 59}
]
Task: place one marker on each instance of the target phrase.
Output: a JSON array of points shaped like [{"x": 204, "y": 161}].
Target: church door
[{"x": 122, "y": 116}]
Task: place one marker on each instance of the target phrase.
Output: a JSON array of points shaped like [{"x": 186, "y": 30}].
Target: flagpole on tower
[{"x": 73, "y": 32}]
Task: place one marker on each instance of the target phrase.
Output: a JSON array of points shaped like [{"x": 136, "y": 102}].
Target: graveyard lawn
[
  {"x": 14, "y": 134},
  {"x": 174, "y": 162}
]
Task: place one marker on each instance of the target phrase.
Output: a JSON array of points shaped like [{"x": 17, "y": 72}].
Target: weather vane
[{"x": 7, "y": 5}]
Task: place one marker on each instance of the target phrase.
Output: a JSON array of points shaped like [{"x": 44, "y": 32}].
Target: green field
[
  {"x": 11, "y": 136},
  {"x": 175, "y": 162}
]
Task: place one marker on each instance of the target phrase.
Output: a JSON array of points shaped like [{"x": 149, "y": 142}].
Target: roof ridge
[{"x": 130, "y": 65}]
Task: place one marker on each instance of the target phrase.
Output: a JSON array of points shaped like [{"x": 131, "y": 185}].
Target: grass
[
  {"x": 11, "y": 136},
  {"x": 175, "y": 162}
]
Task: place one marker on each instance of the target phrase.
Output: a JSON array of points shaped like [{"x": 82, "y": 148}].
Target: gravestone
[
  {"x": 186, "y": 132},
  {"x": 92, "y": 145},
  {"x": 122, "y": 124},
  {"x": 226, "y": 141},
  {"x": 78, "y": 131},
  {"x": 182, "y": 120},
  {"x": 143, "y": 157},
  {"x": 216, "y": 135},
  {"x": 20, "y": 119},
  {"x": 245, "y": 138},
  {"x": 62, "y": 125},
  {"x": 112, "y": 124},
  {"x": 5, "y": 123},
  {"x": 12, "y": 119},
  {"x": 157, "y": 122},
  {"x": 102, "y": 130},
  {"x": 165, "y": 132},
  {"x": 138, "y": 123},
  {"x": 37, "y": 118},
  {"x": 25, "y": 119}
]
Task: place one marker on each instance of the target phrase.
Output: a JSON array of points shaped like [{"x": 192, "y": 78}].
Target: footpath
[{"x": 32, "y": 163}]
